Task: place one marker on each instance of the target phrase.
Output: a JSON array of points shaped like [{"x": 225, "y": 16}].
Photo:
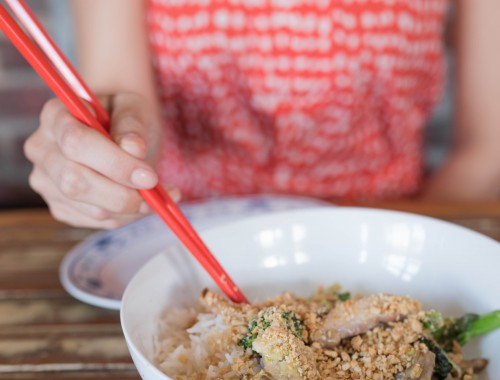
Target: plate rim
[{"x": 79, "y": 249}]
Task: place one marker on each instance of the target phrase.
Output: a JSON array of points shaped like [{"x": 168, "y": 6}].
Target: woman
[{"x": 322, "y": 98}]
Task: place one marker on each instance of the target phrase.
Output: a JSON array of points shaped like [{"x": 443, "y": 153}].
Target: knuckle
[
  {"x": 112, "y": 224},
  {"x": 127, "y": 122},
  {"x": 35, "y": 147},
  {"x": 49, "y": 110},
  {"x": 128, "y": 116},
  {"x": 124, "y": 202},
  {"x": 99, "y": 213},
  {"x": 30, "y": 148},
  {"x": 59, "y": 214},
  {"x": 126, "y": 98},
  {"x": 71, "y": 137},
  {"x": 72, "y": 183},
  {"x": 34, "y": 181},
  {"x": 41, "y": 185}
]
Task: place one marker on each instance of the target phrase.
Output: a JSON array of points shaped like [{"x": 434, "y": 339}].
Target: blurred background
[{"x": 22, "y": 94}]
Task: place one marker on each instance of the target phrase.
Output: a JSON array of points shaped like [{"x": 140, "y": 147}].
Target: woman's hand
[{"x": 86, "y": 179}]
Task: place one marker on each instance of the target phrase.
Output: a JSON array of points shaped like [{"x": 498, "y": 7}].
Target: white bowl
[{"x": 446, "y": 266}]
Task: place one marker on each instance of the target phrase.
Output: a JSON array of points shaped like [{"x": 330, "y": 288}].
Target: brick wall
[{"x": 22, "y": 94}]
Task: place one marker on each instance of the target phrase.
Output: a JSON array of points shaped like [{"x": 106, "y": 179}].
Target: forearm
[
  {"x": 113, "y": 54},
  {"x": 97, "y": 187},
  {"x": 468, "y": 175},
  {"x": 478, "y": 76},
  {"x": 472, "y": 171},
  {"x": 112, "y": 46}
]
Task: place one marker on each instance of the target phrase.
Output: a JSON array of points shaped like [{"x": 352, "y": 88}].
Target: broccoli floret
[
  {"x": 264, "y": 319},
  {"x": 344, "y": 296},
  {"x": 261, "y": 322},
  {"x": 247, "y": 340},
  {"x": 433, "y": 321},
  {"x": 464, "y": 328},
  {"x": 443, "y": 365}
]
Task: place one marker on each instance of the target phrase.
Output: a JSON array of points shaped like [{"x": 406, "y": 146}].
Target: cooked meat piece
[
  {"x": 216, "y": 303},
  {"x": 213, "y": 301},
  {"x": 357, "y": 316},
  {"x": 284, "y": 355},
  {"x": 477, "y": 365},
  {"x": 421, "y": 368},
  {"x": 262, "y": 375}
]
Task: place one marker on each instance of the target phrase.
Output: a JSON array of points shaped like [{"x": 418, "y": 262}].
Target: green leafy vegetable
[
  {"x": 479, "y": 325},
  {"x": 443, "y": 365},
  {"x": 263, "y": 321},
  {"x": 344, "y": 296},
  {"x": 461, "y": 329},
  {"x": 247, "y": 340},
  {"x": 433, "y": 321},
  {"x": 293, "y": 323}
]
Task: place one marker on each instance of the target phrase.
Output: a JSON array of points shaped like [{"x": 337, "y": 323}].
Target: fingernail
[
  {"x": 144, "y": 178},
  {"x": 174, "y": 193},
  {"x": 133, "y": 144},
  {"x": 144, "y": 208}
]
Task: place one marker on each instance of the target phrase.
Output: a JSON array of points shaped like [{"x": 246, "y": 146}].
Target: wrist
[{"x": 469, "y": 174}]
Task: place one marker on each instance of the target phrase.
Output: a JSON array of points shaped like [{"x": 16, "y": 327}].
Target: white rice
[{"x": 197, "y": 346}]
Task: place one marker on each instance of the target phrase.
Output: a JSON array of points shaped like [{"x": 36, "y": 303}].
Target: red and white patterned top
[{"x": 325, "y": 98}]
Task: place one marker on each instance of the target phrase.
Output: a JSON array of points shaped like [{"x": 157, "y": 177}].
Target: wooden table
[{"x": 46, "y": 334}]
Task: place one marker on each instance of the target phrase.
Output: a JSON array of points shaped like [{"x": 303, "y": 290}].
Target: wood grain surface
[{"x": 46, "y": 334}]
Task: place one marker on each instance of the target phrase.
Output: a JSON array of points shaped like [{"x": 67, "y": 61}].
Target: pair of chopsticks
[{"x": 49, "y": 62}]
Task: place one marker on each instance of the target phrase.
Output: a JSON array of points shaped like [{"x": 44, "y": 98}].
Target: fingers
[
  {"x": 77, "y": 213},
  {"x": 83, "y": 145},
  {"x": 86, "y": 178},
  {"x": 79, "y": 183},
  {"x": 87, "y": 147},
  {"x": 50, "y": 112},
  {"x": 68, "y": 214},
  {"x": 70, "y": 167},
  {"x": 82, "y": 214},
  {"x": 133, "y": 125}
]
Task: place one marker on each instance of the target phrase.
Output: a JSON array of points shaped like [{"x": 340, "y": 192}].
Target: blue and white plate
[{"x": 97, "y": 270}]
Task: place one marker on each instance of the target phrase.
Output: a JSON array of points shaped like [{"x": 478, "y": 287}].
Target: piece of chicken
[
  {"x": 421, "y": 368},
  {"x": 284, "y": 354},
  {"x": 215, "y": 302},
  {"x": 235, "y": 315},
  {"x": 218, "y": 304},
  {"x": 359, "y": 315}
]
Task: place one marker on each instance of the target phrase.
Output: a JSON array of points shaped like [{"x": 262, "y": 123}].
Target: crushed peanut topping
[{"x": 331, "y": 335}]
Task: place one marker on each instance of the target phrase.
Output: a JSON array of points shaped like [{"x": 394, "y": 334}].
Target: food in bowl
[
  {"x": 330, "y": 335},
  {"x": 445, "y": 266}
]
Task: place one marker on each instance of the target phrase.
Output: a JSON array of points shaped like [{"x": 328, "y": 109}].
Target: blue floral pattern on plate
[{"x": 97, "y": 270}]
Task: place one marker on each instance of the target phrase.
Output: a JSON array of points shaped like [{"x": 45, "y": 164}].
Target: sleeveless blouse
[{"x": 326, "y": 98}]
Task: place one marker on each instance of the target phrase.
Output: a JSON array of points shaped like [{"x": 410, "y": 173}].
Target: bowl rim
[{"x": 277, "y": 215}]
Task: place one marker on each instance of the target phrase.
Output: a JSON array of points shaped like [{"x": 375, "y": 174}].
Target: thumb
[
  {"x": 130, "y": 140},
  {"x": 130, "y": 124}
]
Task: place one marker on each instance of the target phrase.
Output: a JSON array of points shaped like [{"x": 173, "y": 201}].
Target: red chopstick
[
  {"x": 38, "y": 33},
  {"x": 70, "y": 88}
]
